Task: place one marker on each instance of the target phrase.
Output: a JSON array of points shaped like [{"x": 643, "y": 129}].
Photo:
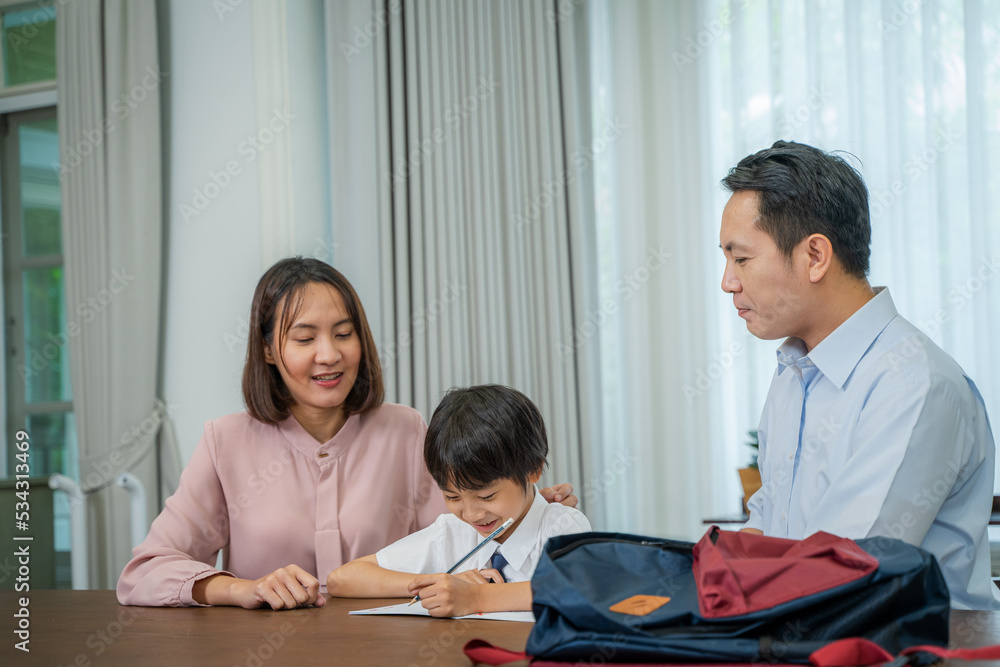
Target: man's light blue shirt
[{"x": 878, "y": 432}]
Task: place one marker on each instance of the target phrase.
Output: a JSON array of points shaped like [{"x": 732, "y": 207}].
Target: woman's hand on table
[{"x": 286, "y": 588}]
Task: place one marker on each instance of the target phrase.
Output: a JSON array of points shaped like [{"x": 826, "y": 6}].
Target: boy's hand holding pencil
[
  {"x": 504, "y": 526},
  {"x": 445, "y": 595}
]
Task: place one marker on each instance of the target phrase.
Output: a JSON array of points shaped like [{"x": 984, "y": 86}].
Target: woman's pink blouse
[{"x": 269, "y": 495}]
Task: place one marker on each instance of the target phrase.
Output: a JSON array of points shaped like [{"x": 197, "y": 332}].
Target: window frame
[
  {"x": 17, "y": 409},
  {"x": 23, "y": 89}
]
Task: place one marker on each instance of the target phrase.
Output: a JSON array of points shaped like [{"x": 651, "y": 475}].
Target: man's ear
[{"x": 819, "y": 251}]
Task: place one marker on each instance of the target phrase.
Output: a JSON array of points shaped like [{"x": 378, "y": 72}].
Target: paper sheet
[{"x": 406, "y": 609}]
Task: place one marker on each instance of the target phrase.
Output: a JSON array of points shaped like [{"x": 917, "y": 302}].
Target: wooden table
[{"x": 89, "y": 628}]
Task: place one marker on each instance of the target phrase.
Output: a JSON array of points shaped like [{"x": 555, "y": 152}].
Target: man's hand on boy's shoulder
[
  {"x": 560, "y": 493},
  {"x": 475, "y": 576}
]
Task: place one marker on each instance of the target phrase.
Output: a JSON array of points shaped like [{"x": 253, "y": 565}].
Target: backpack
[{"x": 733, "y": 597}]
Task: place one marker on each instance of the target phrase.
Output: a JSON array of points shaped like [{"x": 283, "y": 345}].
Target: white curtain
[
  {"x": 453, "y": 220},
  {"x": 664, "y": 463},
  {"x": 109, "y": 119},
  {"x": 909, "y": 88}
]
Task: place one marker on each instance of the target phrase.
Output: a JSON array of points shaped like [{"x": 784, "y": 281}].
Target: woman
[{"x": 318, "y": 470}]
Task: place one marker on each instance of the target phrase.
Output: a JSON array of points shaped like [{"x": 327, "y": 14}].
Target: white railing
[
  {"x": 137, "y": 506},
  {"x": 78, "y": 529}
]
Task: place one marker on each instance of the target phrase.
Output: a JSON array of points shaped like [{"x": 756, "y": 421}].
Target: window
[
  {"x": 907, "y": 86},
  {"x": 29, "y": 46},
  {"x": 37, "y": 394}
]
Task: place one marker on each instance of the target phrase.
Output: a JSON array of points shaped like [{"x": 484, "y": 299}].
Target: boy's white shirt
[{"x": 439, "y": 545}]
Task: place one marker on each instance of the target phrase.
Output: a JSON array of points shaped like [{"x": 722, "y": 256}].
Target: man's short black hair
[
  {"x": 802, "y": 190},
  {"x": 482, "y": 434}
]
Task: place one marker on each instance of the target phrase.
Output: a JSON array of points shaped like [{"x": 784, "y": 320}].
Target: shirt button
[
  {"x": 323, "y": 455},
  {"x": 783, "y": 518},
  {"x": 791, "y": 456}
]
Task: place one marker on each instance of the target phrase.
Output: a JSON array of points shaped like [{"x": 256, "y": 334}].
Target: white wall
[{"x": 214, "y": 254}]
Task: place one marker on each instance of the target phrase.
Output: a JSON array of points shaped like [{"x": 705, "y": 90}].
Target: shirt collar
[
  {"x": 519, "y": 545},
  {"x": 838, "y": 354},
  {"x": 299, "y": 437}
]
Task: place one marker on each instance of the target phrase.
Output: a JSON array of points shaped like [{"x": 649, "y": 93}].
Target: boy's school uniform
[{"x": 437, "y": 547}]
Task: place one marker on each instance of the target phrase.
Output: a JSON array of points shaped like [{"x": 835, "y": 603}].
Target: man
[{"x": 869, "y": 428}]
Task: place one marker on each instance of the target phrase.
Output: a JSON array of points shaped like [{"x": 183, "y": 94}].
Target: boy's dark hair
[
  {"x": 802, "y": 190},
  {"x": 481, "y": 434},
  {"x": 277, "y": 299}
]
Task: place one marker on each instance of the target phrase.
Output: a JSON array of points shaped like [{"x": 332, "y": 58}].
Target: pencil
[{"x": 503, "y": 527}]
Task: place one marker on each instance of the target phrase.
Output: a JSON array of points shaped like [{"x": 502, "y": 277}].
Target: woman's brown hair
[{"x": 280, "y": 289}]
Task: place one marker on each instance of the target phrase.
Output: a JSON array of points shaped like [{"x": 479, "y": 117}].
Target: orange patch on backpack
[{"x": 639, "y": 605}]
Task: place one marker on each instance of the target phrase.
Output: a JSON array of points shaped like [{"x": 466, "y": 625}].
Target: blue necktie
[{"x": 498, "y": 563}]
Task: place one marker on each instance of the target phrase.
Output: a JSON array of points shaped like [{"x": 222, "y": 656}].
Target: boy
[{"x": 486, "y": 449}]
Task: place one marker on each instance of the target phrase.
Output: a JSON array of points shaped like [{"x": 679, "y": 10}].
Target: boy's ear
[{"x": 535, "y": 476}]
